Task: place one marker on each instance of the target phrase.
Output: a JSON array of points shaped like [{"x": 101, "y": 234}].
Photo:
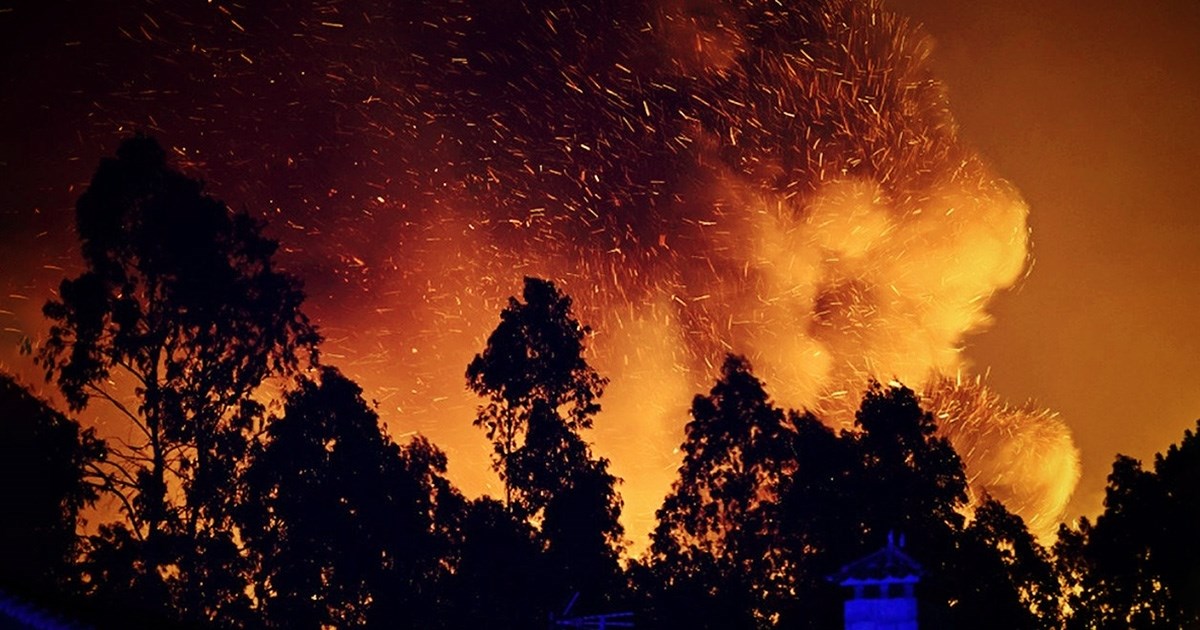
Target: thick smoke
[
  {"x": 1019, "y": 454},
  {"x": 781, "y": 181}
]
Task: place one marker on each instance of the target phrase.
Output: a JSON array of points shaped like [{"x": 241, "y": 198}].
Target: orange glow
[{"x": 698, "y": 188}]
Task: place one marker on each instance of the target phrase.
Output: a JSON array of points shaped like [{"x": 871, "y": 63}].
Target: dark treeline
[{"x": 304, "y": 513}]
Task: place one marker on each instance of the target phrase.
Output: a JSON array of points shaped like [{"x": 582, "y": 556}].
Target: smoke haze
[{"x": 780, "y": 181}]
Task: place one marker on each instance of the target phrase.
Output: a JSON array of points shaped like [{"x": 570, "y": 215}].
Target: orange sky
[
  {"x": 1090, "y": 109},
  {"x": 1087, "y": 108}
]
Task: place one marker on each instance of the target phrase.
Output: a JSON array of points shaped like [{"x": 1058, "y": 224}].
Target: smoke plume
[{"x": 782, "y": 180}]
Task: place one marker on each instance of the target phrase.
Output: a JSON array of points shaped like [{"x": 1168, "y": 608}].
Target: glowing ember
[
  {"x": 702, "y": 178},
  {"x": 1021, "y": 455}
]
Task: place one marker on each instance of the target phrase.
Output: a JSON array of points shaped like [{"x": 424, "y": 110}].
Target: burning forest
[
  {"x": 714, "y": 184},
  {"x": 781, "y": 182}
]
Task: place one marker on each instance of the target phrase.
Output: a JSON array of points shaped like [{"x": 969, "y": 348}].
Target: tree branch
[
  {"x": 110, "y": 485},
  {"x": 120, "y": 407}
]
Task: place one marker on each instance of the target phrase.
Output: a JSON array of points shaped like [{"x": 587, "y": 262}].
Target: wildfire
[
  {"x": 781, "y": 180},
  {"x": 707, "y": 178},
  {"x": 1020, "y": 455}
]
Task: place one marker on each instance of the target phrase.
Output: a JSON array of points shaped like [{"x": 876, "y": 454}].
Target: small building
[{"x": 882, "y": 589}]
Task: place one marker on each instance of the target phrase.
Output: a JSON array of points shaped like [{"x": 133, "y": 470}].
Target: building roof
[{"x": 889, "y": 564}]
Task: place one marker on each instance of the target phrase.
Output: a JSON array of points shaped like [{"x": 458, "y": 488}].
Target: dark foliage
[
  {"x": 541, "y": 395},
  {"x": 1008, "y": 580},
  {"x": 820, "y": 524},
  {"x": 988, "y": 574},
  {"x": 1138, "y": 565},
  {"x": 910, "y": 480},
  {"x": 181, "y": 309},
  {"x": 344, "y": 526},
  {"x": 533, "y": 371},
  {"x": 500, "y": 579},
  {"x": 316, "y": 518},
  {"x": 914, "y": 479},
  {"x": 714, "y": 552},
  {"x": 46, "y": 464},
  {"x": 768, "y": 505}
]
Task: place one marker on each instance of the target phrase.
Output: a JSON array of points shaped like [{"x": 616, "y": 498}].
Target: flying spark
[{"x": 781, "y": 180}]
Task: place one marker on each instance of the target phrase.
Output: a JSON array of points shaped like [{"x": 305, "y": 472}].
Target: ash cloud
[{"x": 781, "y": 180}]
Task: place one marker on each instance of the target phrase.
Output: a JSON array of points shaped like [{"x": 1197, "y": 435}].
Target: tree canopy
[
  {"x": 1136, "y": 565},
  {"x": 534, "y": 376},
  {"x": 47, "y": 468},
  {"x": 541, "y": 395},
  {"x": 260, "y": 489},
  {"x": 716, "y": 539},
  {"x": 769, "y": 504},
  {"x": 177, "y": 319},
  {"x": 342, "y": 523}
]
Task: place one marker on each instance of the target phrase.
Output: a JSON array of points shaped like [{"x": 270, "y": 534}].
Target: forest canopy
[{"x": 259, "y": 488}]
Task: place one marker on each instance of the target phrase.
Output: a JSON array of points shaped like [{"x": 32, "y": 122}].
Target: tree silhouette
[
  {"x": 715, "y": 550},
  {"x": 914, "y": 479},
  {"x": 768, "y": 505},
  {"x": 1136, "y": 566},
  {"x": 46, "y": 463},
  {"x": 180, "y": 310},
  {"x": 541, "y": 394},
  {"x": 820, "y": 524},
  {"x": 580, "y": 524},
  {"x": 500, "y": 578},
  {"x": 1178, "y": 470},
  {"x": 910, "y": 480},
  {"x": 533, "y": 365},
  {"x": 346, "y": 527},
  {"x": 1008, "y": 579}
]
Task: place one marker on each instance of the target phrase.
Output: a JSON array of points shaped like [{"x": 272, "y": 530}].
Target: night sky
[{"x": 666, "y": 164}]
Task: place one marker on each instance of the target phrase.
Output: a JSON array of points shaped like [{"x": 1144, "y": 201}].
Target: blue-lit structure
[
  {"x": 882, "y": 589},
  {"x": 16, "y": 614},
  {"x": 593, "y": 622}
]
